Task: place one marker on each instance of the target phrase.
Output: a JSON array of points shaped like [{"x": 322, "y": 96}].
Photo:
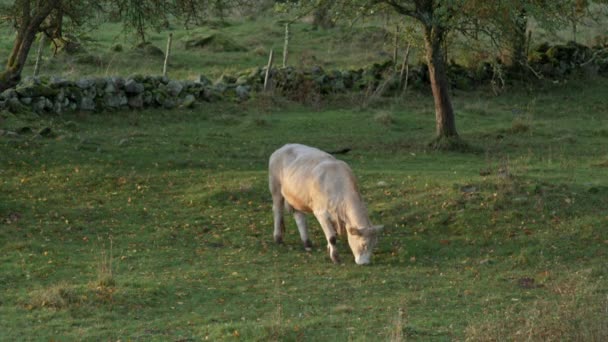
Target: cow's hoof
[
  {"x": 335, "y": 258},
  {"x": 278, "y": 240},
  {"x": 308, "y": 246}
]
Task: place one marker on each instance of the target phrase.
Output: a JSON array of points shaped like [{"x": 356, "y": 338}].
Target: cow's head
[{"x": 362, "y": 242}]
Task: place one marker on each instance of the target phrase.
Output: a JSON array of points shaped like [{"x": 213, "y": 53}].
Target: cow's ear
[{"x": 355, "y": 232}]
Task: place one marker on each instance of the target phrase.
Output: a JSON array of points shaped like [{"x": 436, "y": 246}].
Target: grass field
[{"x": 157, "y": 225}]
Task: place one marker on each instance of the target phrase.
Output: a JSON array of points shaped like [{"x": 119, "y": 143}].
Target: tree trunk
[
  {"x": 30, "y": 25},
  {"x": 519, "y": 58},
  {"x": 445, "y": 123},
  {"x": 322, "y": 16}
]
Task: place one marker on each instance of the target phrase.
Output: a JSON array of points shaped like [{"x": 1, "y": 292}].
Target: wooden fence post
[
  {"x": 268, "y": 67},
  {"x": 39, "y": 55},
  {"x": 405, "y": 68},
  {"x": 286, "y": 45},
  {"x": 167, "y": 52},
  {"x": 396, "y": 45}
]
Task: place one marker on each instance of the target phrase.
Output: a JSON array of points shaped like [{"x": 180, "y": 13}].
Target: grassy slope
[{"x": 176, "y": 206}]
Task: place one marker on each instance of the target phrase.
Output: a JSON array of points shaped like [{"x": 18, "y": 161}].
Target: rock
[
  {"x": 58, "y": 82},
  {"x": 195, "y": 89},
  {"x": 42, "y": 104},
  {"x": 338, "y": 85},
  {"x": 211, "y": 95},
  {"x": 14, "y": 106},
  {"x": 220, "y": 87},
  {"x": 87, "y": 103},
  {"x": 74, "y": 93},
  {"x": 242, "y": 92},
  {"x": 321, "y": 79},
  {"x": 188, "y": 84},
  {"x": 57, "y": 108},
  {"x": 133, "y": 87},
  {"x": 119, "y": 82},
  {"x": 8, "y": 94},
  {"x": 468, "y": 189},
  {"x": 159, "y": 96},
  {"x": 84, "y": 83},
  {"x": 148, "y": 98},
  {"x": 188, "y": 101},
  {"x": 116, "y": 100},
  {"x": 174, "y": 88},
  {"x": 204, "y": 80},
  {"x": 169, "y": 103},
  {"x": 91, "y": 92},
  {"x": 60, "y": 95},
  {"x": 110, "y": 88},
  {"x": 136, "y": 101},
  {"x": 34, "y": 90}
]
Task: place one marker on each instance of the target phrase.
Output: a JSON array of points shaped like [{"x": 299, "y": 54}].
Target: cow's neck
[{"x": 355, "y": 213}]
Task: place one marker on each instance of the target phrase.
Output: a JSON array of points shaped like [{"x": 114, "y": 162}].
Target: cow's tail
[{"x": 340, "y": 151}]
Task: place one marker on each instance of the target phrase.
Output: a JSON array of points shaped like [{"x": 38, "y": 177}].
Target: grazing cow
[{"x": 304, "y": 179}]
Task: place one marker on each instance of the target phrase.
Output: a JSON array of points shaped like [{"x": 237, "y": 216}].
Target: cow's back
[{"x": 308, "y": 177}]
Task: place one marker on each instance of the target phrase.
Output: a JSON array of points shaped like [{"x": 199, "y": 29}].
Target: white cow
[{"x": 304, "y": 179}]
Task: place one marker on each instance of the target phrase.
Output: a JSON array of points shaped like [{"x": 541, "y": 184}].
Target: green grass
[{"x": 157, "y": 225}]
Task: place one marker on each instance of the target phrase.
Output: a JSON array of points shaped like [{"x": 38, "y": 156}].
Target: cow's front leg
[
  {"x": 300, "y": 218},
  {"x": 330, "y": 235}
]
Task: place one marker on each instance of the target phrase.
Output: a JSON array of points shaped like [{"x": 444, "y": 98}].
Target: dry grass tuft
[
  {"x": 568, "y": 317},
  {"x": 384, "y": 118},
  {"x": 59, "y": 296},
  {"x": 397, "y": 333}
]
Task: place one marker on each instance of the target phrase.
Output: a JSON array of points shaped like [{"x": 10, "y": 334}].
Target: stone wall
[{"x": 56, "y": 95}]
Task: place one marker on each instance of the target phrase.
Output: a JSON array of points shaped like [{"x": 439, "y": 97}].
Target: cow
[{"x": 304, "y": 179}]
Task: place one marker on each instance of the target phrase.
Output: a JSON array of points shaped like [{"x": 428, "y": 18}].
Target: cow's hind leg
[
  {"x": 278, "y": 203},
  {"x": 300, "y": 218},
  {"x": 330, "y": 235}
]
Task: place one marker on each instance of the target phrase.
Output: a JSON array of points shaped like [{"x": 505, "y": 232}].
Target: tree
[
  {"x": 437, "y": 18},
  {"x": 28, "y": 17},
  {"x": 506, "y": 21}
]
